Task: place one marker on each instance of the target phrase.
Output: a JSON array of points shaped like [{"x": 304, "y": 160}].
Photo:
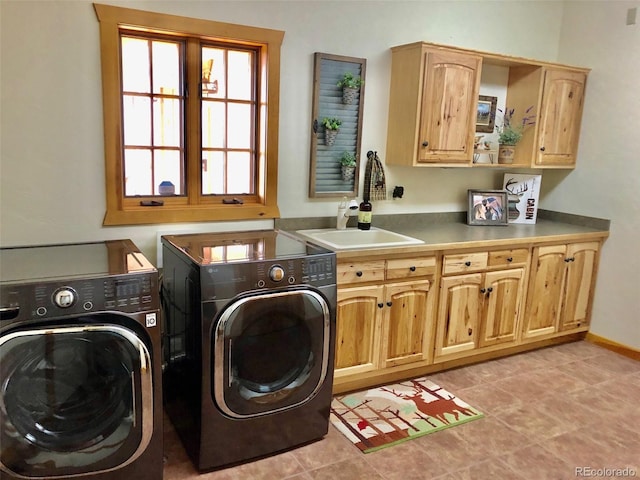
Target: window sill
[{"x": 181, "y": 214}]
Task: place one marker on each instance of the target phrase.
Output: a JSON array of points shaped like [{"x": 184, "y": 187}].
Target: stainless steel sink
[{"x": 354, "y": 238}]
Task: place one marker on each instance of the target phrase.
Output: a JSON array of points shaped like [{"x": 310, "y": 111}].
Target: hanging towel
[{"x": 375, "y": 187}]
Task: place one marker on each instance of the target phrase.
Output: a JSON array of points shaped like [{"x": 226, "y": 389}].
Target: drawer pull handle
[
  {"x": 467, "y": 263},
  {"x": 380, "y": 305},
  {"x": 358, "y": 273},
  {"x": 509, "y": 259},
  {"x": 412, "y": 268},
  {"x": 389, "y": 304}
]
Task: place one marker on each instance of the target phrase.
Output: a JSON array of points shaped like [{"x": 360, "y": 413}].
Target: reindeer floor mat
[{"x": 384, "y": 416}]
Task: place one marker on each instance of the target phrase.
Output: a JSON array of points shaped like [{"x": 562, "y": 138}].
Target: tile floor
[{"x": 547, "y": 413}]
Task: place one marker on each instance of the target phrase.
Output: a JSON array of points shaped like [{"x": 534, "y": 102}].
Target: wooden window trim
[{"x": 122, "y": 211}]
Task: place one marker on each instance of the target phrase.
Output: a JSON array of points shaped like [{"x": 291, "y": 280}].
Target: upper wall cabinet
[
  {"x": 433, "y": 98},
  {"x": 433, "y": 106}
]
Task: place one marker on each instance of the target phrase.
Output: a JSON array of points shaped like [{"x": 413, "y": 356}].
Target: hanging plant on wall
[
  {"x": 350, "y": 86},
  {"x": 331, "y": 128}
]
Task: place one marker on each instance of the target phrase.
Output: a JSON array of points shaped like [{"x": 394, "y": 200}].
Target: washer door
[
  {"x": 73, "y": 399},
  {"x": 271, "y": 352}
]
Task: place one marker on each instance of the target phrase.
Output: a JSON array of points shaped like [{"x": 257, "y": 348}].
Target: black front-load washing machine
[
  {"x": 80, "y": 363},
  {"x": 250, "y": 332}
]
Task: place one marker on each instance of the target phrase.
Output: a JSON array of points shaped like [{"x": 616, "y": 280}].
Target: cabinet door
[
  {"x": 448, "y": 114},
  {"x": 545, "y": 290},
  {"x": 459, "y": 311},
  {"x": 560, "y": 116},
  {"x": 502, "y": 306},
  {"x": 582, "y": 260},
  {"x": 406, "y": 323},
  {"x": 358, "y": 325}
]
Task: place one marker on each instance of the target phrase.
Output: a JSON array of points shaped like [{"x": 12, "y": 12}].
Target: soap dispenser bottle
[{"x": 364, "y": 214}]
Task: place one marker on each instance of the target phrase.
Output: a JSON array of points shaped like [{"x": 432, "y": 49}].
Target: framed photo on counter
[{"x": 487, "y": 207}]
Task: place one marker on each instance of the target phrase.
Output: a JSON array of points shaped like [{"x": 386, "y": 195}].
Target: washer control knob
[
  {"x": 65, "y": 297},
  {"x": 276, "y": 273}
]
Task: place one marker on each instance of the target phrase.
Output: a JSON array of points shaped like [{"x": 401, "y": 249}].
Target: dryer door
[
  {"x": 73, "y": 399},
  {"x": 270, "y": 351}
]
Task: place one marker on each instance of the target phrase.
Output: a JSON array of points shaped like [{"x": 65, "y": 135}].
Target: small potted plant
[
  {"x": 331, "y": 127},
  {"x": 348, "y": 164},
  {"x": 350, "y": 86},
  {"x": 510, "y": 133}
]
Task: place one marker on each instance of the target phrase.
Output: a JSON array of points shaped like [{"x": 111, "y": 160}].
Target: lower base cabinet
[
  {"x": 413, "y": 316},
  {"x": 478, "y": 310},
  {"x": 384, "y": 315},
  {"x": 561, "y": 287}
]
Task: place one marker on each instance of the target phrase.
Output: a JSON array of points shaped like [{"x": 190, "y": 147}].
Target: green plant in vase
[
  {"x": 350, "y": 85},
  {"x": 331, "y": 127},
  {"x": 348, "y": 164},
  {"x": 510, "y": 133}
]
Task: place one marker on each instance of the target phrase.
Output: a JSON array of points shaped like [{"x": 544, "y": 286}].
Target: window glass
[
  {"x": 135, "y": 65},
  {"x": 240, "y": 75},
  {"x": 137, "y": 167}
]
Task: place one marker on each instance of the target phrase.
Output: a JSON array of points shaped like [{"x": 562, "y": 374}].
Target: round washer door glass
[
  {"x": 271, "y": 352},
  {"x": 72, "y": 399}
]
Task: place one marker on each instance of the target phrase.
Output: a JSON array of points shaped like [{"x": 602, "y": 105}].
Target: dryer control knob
[
  {"x": 276, "y": 273},
  {"x": 65, "y": 297}
]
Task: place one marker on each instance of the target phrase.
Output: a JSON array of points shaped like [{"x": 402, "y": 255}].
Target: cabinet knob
[
  {"x": 482, "y": 290},
  {"x": 570, "y": 259},
  {"x": 358, "y": 273},
  {"x": 413, "y": 269},
  {"x": 425, "y": 144},
  {"x": 468, "y": 264},
  {"x": 509, "y": 259},
  {"x": 380, "y": 305},
  {"x": 470, "y": 331},
  {"x": 389, "y": 304},
  {"x": 542, "y": 149},
  {"x": 490, "y": 289}
]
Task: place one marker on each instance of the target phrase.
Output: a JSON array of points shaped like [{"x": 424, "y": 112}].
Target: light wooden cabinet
[
  {"x": 560, "y": 117},
  {"x": 405, "y": 333},
  {"x": 480, "y": 309},
  {"x": 386, "y": 324},
  {"x": 432, "y": 106},
  {"x": 561, "y": 286},
  {"x": 358, "y": 329}
]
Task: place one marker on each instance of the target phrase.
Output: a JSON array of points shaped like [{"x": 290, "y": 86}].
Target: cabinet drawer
[
  {"x": 410, "y": 267},
  {"x": 505, "y": 258},
  {"x": 358, "y": 272},
  {"x": 465, "y": 262}
]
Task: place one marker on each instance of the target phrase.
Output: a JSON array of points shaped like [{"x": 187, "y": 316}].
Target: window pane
[
  {"x": 213, "y": 77},
  {"x": 239, "y": 173},
  {"x": 212, "y": 173},
  {"x": 137, "y": 120},
  {"x": 166, "y": 68},
  {"x": 166, "y": 122},
  {"x": 240, "y": 78},
  {"x": 239, "y": 133},
  {"x": 135, "y": 65},
  {"x": 213, "y": 124},
  {"x": 167, "y": 169},
  {"x": 137, "y": 172}
]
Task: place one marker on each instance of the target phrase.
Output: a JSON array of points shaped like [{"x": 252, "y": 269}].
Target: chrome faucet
[{"x": 344, "y": 212}]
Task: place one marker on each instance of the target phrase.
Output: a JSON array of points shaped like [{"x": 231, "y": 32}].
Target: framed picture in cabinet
[
  {"x": 486, "y": 115},
  {"x": 487, "y": 207}
]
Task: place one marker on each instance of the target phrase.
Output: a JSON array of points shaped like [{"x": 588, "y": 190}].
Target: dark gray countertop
[{"x": 449, "y": 230}]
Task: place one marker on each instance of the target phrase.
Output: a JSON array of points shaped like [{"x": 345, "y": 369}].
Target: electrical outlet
[{"x": 631, "y": 16}]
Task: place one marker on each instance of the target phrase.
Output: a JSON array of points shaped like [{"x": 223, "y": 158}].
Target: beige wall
[
  {"x": 607, "y": 181},
  {"x": 51, "y": 148}
]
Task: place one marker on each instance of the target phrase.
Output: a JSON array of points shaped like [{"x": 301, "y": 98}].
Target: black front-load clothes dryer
[
  {"x": 80, "y": 363},
  {"x": 249, "y": 343}
]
